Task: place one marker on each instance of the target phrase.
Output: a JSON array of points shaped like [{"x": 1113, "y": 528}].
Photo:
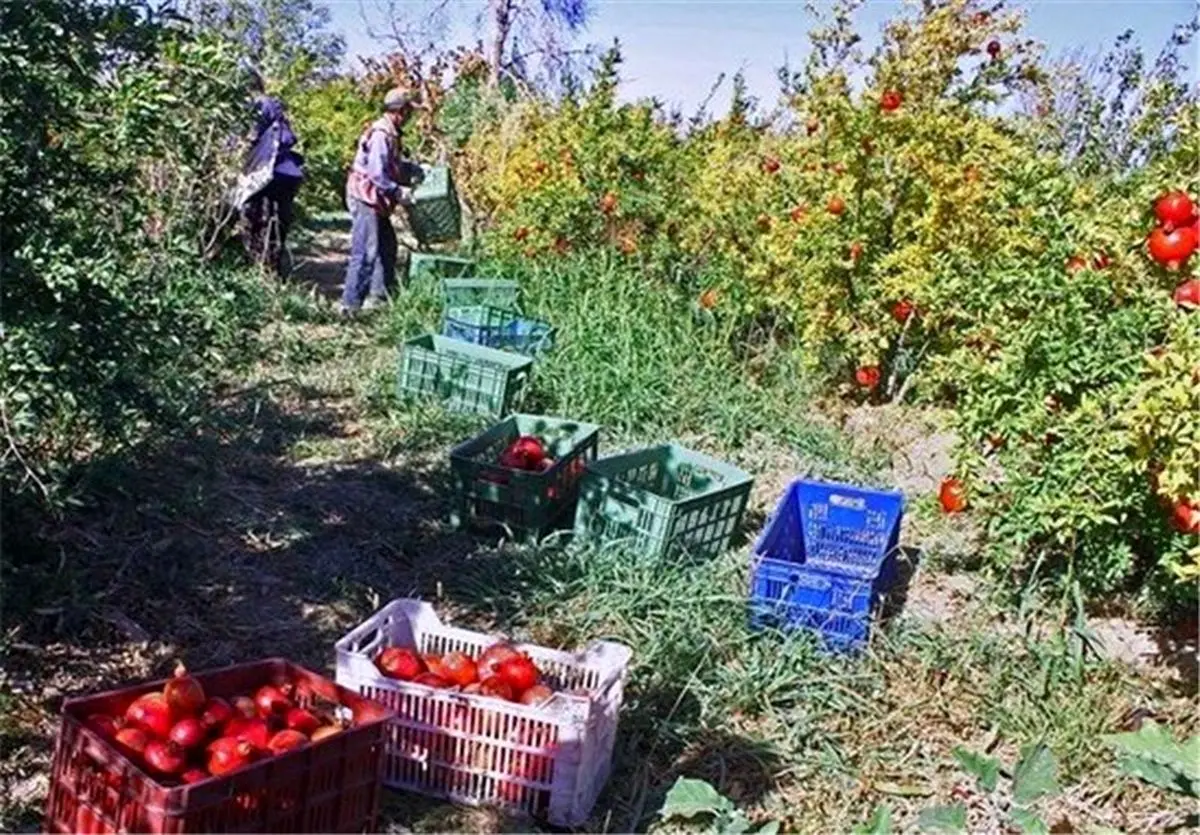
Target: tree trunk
[{"x": 502, "y": 22}]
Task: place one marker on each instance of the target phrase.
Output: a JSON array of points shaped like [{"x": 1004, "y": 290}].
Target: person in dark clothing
[{"x": 271, "y": 177}]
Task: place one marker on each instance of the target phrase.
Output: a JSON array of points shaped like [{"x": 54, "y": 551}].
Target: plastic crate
[
  {"x": 825, "y": 558},
  {"x": 661, "y": 501},
  {"x": 466, "y": 377},
  {"x": 550, "y": 760},
  {"x": 435, "y": 215},
  {"x": 476, "y": 292},
  {"x": 497, "y": 327},
  {"x": 329, "y": 786},
  {"x": 436, "y": 265},
  {"x": 525, "y": 501}
]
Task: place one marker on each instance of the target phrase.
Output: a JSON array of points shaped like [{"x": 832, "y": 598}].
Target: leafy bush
[{"x": 119, "y": 134}]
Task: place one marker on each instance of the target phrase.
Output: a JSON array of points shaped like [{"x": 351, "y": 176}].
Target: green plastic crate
[
  {"x": 466, "y": 377},
  {"x": 435, "y": 215},
  {"x": 480, "y": 292},
  {"x": 498, "y": 328},
  {"x": 436, "y": 265},
  {"x": 526, "y": 502},
  {"x": 661, "y": 501}
]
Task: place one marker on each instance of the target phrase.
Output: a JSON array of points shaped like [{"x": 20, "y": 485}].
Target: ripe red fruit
[
  {"x": 770, "y": 165},
  {"x": 286, "y": 740},
  {"x": 229, "y": 754},
  {"x": 194, "y": 775},
  {"x": 868, "y": 376},
  {"x": 1187, "y": 294},
  {"x": 520, "y": 672},
  {"x": 245, "y": 707},
  {"x": 253, "y": 731},
  {"x": 608, "y": 203},
  {"x": 901, "y": 310},
  {"x": 459, "y": 669},
  {"x": 1174, "y": 209},
  {"x": 299, "y": 719},
  {"x": 836, "y": 205},
  {"x": 890, "y": 100},
  {"x": 400, "y": 663},
  {"x": 1172, "y": 249},
  {"x": 216, "y": 713},
  {"x": 432, "y": 680},
  {"x": 152, "y": 714},
  {"x": 856, "y": 251},
  {"x": 188, "y": 733},
  {"x": 270, "y": 701},
  {"x": 1076, "y": 263},
  {"x": 798, "y": 213},
  {"x": 164, "y": 757},
  {"x": 1101, "y": 261},
  {"x": 132, "y": 740},
  {"x": 952, "y": 495},
  {"x": 993, "y": 49},
  {"x": 1185, "y": 516},
  {"x": 493, "y": 657},
  {"x": 536, "y": 695},
  {"x": 496, "y": 688},
  {"x": 708, "y": 299},
  {"x": 184, "y": 693},
  {"x": 561, "y": 245}
]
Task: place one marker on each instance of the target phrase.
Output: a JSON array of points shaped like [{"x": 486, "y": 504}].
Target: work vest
[{"x": 358, "y": 183}]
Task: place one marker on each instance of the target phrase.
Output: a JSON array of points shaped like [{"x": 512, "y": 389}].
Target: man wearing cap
[{"x": 373, "y": 189}]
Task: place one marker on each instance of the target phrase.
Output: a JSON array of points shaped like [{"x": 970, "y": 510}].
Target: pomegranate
[
  {"x": 1172, "y": 249},
  {"x": 1187, "y": 294},
  {"x": 1185, "y": 516},
  {"x": 856, "y": 251},
  {"x": 521, "y": 233},
  {"x": 299, "y": 719},
  {"x": 492, "y": 657},
  {"x": 287, "y": 740},
  {"x": 770, "y": 165},
  {"x": 520, "y": 672},
  {"x": 902, "y": 309},
  {"x": 868, "y": 376},
  {"x": 253, "y": 731},
  {"x": 400, "y": 663},
  {"x": 245, "y": 707},
  {"x": 1076, "y": 263},
  {"x": 496, "y": 688},
  {"x": 890, "y": 101},
  {"x": 164, "y": 757},
  {"x": 103, "y": 724},
  {"x": 608, "y": 203},
  {"x": 836, "y": 206},
  {"x": 1174, "y": 209},
  {"x": 708, "y": 299},
  {"x": 216, "y": 713},
  {"x": 459, "y": 669},
  {"x": 798, "y": 213},
  {"x": 132, "y": 740},
  {"x": 194, "y": 775},
  {"x": 433, "y": 680},
  {"x": 952, "y": 495},
  {"x": 184, "y": 693},
  {"x": 228, "y": 754},
  {"x": 270, "y": 701},
  {"x": 152, "y": 714},
  {"x": 188, "y": 733},
  {"x": 536, "y": 695},
  {"x": 1101, "y": 261}
]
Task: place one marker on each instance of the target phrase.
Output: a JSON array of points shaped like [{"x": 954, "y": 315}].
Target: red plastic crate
[{"x": 328, "y": 786}]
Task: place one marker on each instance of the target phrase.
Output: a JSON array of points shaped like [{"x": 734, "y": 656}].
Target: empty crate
[
  {"x": 435, "y": 265},
  {"x": 498, "y": 327},
  {"x": 825, "y": 558},
  {"x": 475, "y": 292},
  {"x": 464, "y": 376},
  {"x": 530, "y": 502},
  {"x": 662, "y": 500},
  {"x": 549, "y": 760},
  {"x": 435, "y": 215}
]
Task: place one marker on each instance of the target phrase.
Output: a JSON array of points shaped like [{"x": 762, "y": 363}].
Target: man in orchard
[{"x": 376, "y": 185}]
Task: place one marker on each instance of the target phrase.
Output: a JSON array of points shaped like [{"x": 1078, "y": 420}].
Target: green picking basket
[
  {"x": 662, "y": 501},
  {"x": 466, "y": 377},
  {"x": 528, "y": 502},
  {"x": 435, "y": 215},
  {"x": 480, "y": 292},
  {"x": 436, "y": 265}
]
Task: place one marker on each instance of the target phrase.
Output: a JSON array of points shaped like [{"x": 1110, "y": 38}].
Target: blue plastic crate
[
  {"x": 826, "y": 556},
  {"x": 498, "y": 328}
]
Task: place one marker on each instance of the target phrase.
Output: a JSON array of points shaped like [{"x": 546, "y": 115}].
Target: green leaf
[
  {"x": 951, "y": 818},
  {"x": 736, "y": 824},
  {"x": 985, "y": 769},
  {"x": 1035, "y": 776},
  {"x": 689, "y": 798},
  {"x": 768, "y": 828},
  {"x": 1029, "y": 822},
  {"x": 1156, "y": 774},
  {"x": 1155, "y": 743},
  {"x": 880, "y": 822}
]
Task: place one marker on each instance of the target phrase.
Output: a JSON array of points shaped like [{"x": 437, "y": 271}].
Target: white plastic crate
[{"x": 551, "y": 760}]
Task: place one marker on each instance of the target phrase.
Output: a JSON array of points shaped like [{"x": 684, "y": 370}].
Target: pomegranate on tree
[
  {"x": 1172, "y": 249},
  {"x": 836, "y": 205},
  {"x": 1187, "y": 294},
  {"x": 1174, "y": 209},
  {"x": 868, "y": 377},
  {"x": 890, "y": 101}
]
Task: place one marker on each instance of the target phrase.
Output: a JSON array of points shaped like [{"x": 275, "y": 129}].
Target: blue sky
[{"x": 675, "y": 49}]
